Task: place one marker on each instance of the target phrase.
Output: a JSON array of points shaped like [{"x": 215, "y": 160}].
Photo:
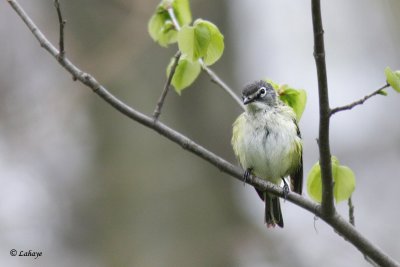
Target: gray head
[{"x": 260, "y": 94}]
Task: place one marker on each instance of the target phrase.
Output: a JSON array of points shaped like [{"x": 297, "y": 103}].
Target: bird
[{"x": 267, "y": 143}]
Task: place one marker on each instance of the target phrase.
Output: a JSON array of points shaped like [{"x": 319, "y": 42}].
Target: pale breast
[{"x": 269, "y": 143}]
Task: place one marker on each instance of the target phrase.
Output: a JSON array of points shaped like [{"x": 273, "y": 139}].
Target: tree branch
[
  {"x": 359, "y": 102},
  {"x": 328, "y": 207},
  {"x": 369, "y": 250},
  {"x": 167, "y": 86},
  {"x": 337, "y": 222}
]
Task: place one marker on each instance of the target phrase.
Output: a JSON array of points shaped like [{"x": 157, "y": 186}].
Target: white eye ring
[{"x": 262, "y": 91}]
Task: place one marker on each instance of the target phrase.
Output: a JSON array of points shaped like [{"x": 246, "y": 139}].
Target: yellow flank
[{"x": 237, "y": 134}]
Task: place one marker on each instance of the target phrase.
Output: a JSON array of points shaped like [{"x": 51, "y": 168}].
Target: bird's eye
[{"x": 262, "y": 91}]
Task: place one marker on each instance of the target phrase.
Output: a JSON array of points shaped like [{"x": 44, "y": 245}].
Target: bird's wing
[{"x": 296, "y": 178}]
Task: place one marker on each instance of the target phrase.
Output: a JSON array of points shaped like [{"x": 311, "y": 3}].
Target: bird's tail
[{"x": 273, "y": 214}]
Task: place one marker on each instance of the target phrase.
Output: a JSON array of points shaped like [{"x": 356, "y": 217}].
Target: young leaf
[
  {"x": 185, "y": 73},
  {"x": 314, "y": 184},
  {"x": 393, "y": 78},
  {"x": 156, "y": 22},
  {"x": 344, "y": 181},
  {"x": 383, "y": 92},
  {"x": 182, "y": 12},
  {"x": 295, "y": 98},
  {"x": 193, "y": 41},
  {"x": 168, "y": 34},
  {"x": 216, "y": 45},
  {"x": 202, "y": 40},
  {"x": 161, "y": 28}
]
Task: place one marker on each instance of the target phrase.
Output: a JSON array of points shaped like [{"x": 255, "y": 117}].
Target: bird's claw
[
  {"x": 285, "y": 191},
  {"x": 246, "y": 175}
]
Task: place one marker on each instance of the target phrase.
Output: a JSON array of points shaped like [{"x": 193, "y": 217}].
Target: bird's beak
[{"x": 248, "y": 99}]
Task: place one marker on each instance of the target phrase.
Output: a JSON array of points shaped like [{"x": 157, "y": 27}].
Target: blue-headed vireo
[{"x": 266, "y": 140}]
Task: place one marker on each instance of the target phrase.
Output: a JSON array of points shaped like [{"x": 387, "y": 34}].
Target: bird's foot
[
  {"x": 285, "y": 189},
  {"x": 246, "y": 175}
]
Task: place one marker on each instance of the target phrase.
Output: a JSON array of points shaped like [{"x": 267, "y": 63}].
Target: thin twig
[
  {"x": 359, "y": 102},
  {"x": 214, "y": 77},
  {"x": 337, "y": 222},
  {"x": 352, "y": 222},
  {"x": 167, "y": 86},
  {"x": 62, "y": 23},
  {"x": 351, "y": 212},
  {"x": 328, "y": 206}
]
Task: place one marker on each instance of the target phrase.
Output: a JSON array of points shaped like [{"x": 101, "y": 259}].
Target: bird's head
[{"x": 259, "y": 95}]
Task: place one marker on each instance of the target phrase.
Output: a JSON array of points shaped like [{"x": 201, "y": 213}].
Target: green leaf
[
  {"x": 185, "y": 73},
  {"x": 182, "y": 12},
  {"x": 393, "y": 78},
  {"x": 202, "y": 40},
  {"x": 314, "y": 184},
  {"x": 295, "y": 98},
  {"x": 344, "y": 181},
  {"x": 383, "y": 92},
  {"x": 216, "y": 46},
  {"x": 193, "y": 41},
  {"x": 161, "y": 28},
  {"x": 155, "y": 24},
  {"x": 168, "y": 34}
]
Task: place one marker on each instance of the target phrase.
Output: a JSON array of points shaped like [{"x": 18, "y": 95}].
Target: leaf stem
[
  {"x": 214, "y": 77},
  {"x": 171, "y": 14}
]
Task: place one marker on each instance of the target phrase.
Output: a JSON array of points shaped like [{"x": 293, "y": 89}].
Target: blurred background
[{"x": 88, "y": 187}]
